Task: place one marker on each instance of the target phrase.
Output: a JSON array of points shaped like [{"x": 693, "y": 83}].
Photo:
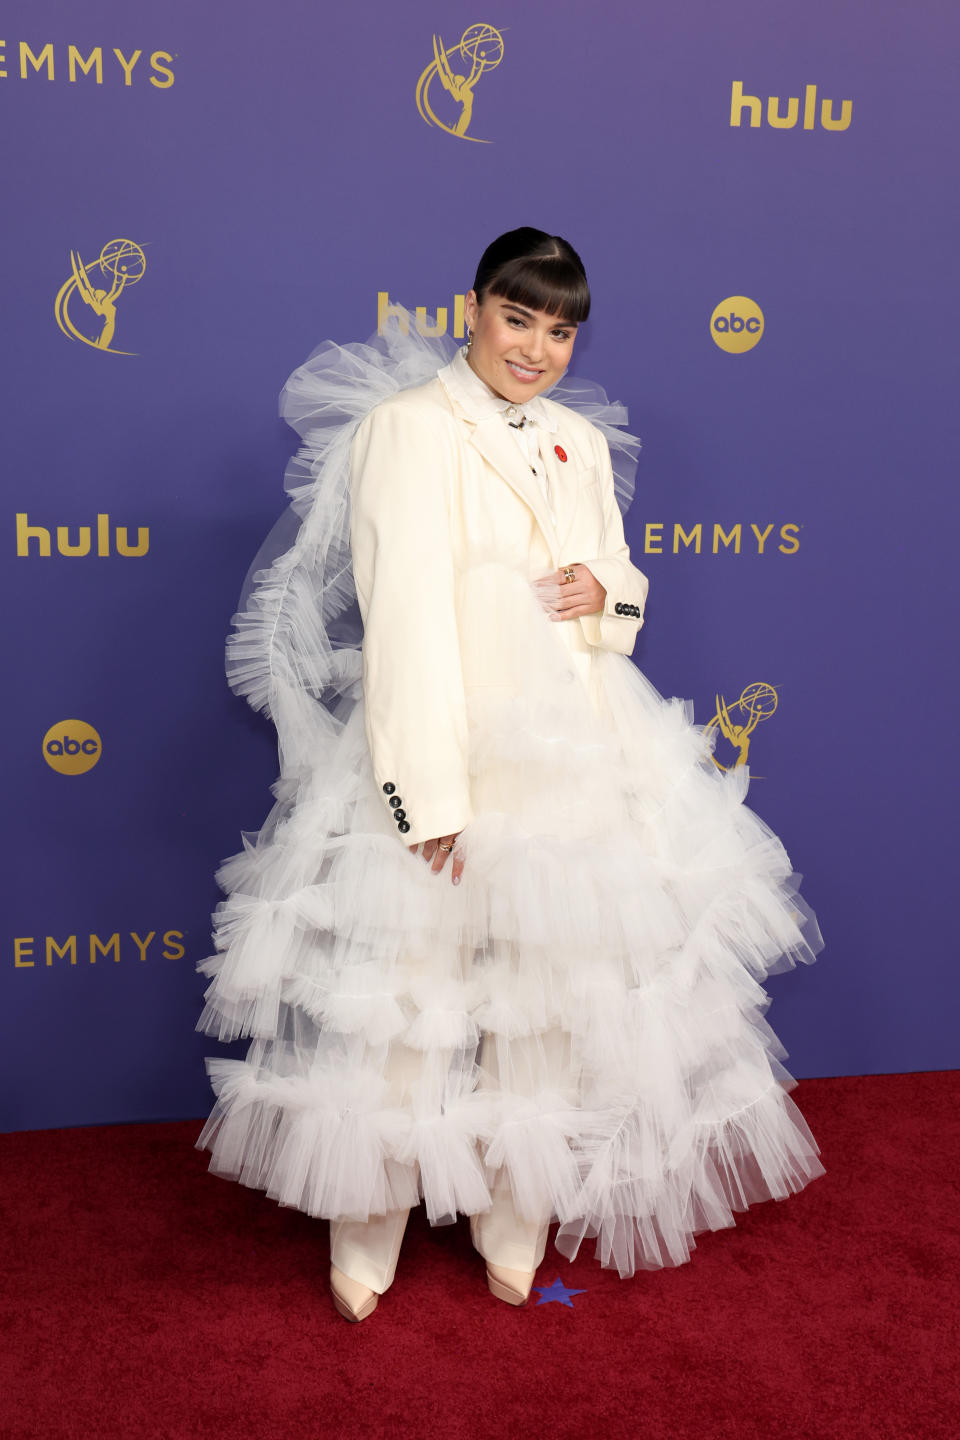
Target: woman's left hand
[
  {"x": 566, "y": 599},
  {"x": 436, "y": 851}
]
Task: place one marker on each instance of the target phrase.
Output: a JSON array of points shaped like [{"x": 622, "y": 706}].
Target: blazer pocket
[{"x": 588, "y": 522}]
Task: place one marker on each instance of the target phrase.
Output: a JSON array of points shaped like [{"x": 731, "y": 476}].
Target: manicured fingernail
[{"x": 456, "y": 879}]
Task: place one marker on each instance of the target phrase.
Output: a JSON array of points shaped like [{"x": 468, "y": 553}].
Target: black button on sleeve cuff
[{"x": 395, "y": 802}]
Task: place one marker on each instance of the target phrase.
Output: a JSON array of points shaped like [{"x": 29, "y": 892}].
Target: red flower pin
[{"x": 560, "y": 453}]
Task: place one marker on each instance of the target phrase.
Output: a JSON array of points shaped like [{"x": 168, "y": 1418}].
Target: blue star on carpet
[{"x": 556, "y": 1292}]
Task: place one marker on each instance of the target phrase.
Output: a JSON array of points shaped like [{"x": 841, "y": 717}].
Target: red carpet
[{"x": 145, "y": 1298}]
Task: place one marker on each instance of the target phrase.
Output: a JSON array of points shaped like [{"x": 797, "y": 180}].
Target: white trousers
[{"x": 368, "y": 1251}]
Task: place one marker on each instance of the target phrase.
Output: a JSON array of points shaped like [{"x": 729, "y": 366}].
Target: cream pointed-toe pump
[
  {"x": 351, "y": 1299},
  {"x": 513, "y": 1286}
]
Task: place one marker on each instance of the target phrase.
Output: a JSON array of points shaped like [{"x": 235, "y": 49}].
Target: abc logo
[
  {"x": 737, "y": 324},
  {"x": 71, "y": 747}
]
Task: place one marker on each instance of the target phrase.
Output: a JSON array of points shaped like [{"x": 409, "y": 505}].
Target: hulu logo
[
  {"x": 38, "y": 536},
  {"x": 386, "y": 310},
  {"x": 787, "y": 119}
]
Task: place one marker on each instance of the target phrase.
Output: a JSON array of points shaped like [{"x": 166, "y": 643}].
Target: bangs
[{"x": 550, "y": 282}]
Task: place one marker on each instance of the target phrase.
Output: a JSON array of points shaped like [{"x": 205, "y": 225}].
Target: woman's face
[{"x": 517, "y": 351}]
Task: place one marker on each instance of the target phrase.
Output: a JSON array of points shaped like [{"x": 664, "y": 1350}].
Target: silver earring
[{"x": 469, "y": 337}]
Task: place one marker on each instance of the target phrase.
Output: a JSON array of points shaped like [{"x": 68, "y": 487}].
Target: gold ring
[
  {"x": 569, "y": 574},
  {"x": 448, "y": 848}
]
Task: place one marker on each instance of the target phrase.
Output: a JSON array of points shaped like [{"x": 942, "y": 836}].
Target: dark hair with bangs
[{"x": 540, "y": 271}]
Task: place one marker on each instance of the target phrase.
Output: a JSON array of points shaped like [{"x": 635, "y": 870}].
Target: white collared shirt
[{"x": 477, "y": 400}]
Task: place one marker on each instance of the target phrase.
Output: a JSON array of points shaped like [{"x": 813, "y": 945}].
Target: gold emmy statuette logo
[
  {"x": 758, "y": 702},
  {"x": 120, "y": 263},
  {"x": 736, "y": 324},
  {"x": 480, "y": 49},
  {"x": 71, "y": 747}
]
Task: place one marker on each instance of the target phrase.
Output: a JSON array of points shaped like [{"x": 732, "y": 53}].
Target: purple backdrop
[{"x": 274, "y": 174}]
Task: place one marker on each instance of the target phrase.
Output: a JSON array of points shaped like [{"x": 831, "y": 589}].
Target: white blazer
[{"x": 438, "y": 497}]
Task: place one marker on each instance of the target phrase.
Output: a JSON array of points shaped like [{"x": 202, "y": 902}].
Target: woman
[{"x": 500, "y": 943}]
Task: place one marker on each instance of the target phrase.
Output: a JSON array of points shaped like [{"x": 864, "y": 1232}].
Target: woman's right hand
[{"x": 437, "y": 856}]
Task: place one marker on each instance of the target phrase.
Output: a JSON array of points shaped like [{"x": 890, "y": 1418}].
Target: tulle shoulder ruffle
[{"x": 296, "y": 634}]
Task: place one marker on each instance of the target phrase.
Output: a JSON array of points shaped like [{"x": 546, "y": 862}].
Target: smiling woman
[
  {"x": 500, "y": 944},
  {"x": 523, "y": 311},
  {"x": 517, "y": 352}
]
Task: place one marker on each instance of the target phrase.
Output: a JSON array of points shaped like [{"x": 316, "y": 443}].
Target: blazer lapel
[
  {"x": 491, "y": 437},
  {"x": 566, "y": 479}
]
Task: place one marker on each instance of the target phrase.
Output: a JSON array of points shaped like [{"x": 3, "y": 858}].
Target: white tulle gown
[{"x": 582, "y": 1017}]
